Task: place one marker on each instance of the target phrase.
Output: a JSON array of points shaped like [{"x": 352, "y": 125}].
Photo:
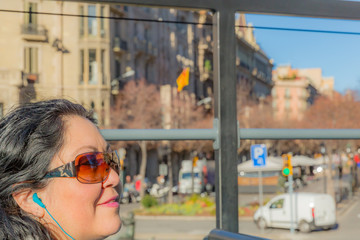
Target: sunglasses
[{"x": 91, "y": 167}]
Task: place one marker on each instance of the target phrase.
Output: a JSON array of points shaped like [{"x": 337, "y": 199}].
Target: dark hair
[{"x": 30, "y": 135}]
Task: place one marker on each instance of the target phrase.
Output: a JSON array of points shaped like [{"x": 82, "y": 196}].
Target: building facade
[
  {"x": 296, "y": 89},
  {"x": 254, "y": 68},
  {"x": 51, "y": 56}
]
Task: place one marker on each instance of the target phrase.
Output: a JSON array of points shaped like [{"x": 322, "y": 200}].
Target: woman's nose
[{"x": 112, "y": 180}]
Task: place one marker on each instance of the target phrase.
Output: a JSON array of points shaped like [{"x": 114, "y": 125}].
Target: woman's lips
[{"x": 112, "y": 202}]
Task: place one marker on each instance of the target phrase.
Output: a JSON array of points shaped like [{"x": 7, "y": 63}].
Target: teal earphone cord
[{"x": 58, "y": 224}]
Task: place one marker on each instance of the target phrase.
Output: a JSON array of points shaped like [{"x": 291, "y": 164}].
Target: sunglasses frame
[{"x": 70, "y": 169}]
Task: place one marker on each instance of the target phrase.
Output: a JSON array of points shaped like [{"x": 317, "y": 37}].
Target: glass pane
[
  {"x": 82, "y": 67},
  {"x": 82, "y": 21},
  {"x": 93, "y": 67},
  {"x": 92, "y": 22},
  {"x": 103, "y": 67},
  {"x": 102, "y": 21}
]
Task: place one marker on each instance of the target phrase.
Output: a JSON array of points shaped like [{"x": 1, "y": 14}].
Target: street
[
  {"x": 182, "y": 227},
  {"x": 198, "y": 227}
]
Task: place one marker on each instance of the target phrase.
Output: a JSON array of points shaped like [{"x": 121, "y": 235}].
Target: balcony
[
  {"x": 119, "y": 45},
  {"x": 34, "y": 32},
  {"x": 30, "y": 78},
  {"x": 139, "y": 46},
  {"x": 119, "y": 10},
  {"x": 244, "y": 65}
]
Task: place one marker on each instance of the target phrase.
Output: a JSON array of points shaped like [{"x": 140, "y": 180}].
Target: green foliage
[
  {"x": 149, "y": 201},
  {"x": 192, "y": 206},
  {"x": 207, "y": 65}
]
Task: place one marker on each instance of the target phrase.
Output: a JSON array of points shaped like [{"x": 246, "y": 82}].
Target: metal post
[
  {"x": 261, "y": 195},
  {"x": 323, "y": 151},
  {"x": 225, "y": 112},
  {"x": 290, "y": 178},
  {"x": 325, "y": 177}
]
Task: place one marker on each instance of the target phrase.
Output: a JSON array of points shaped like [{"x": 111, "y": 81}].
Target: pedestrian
[
  {"x": 58, "y": 176},
  {"x": 138, "y": 183}
]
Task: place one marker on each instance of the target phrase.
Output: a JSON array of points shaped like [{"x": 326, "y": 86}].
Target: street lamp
[{"x": 323, "y": 151}]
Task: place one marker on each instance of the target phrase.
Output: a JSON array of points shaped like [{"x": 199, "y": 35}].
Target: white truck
[
  {"x": 189, "y": 176},
  {"x": 310, "y": 211}
]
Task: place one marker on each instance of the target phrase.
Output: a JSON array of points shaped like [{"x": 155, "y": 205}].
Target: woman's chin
[{"x": 114, "y": 227}]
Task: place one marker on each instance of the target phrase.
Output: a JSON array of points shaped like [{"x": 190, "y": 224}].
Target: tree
[
  {"x": 180, "y": 112},
  {"x": 329, "y": 112},
  {"x": 186, "y": 114},
  {"x": 338, "y": 111},
  {"x": 252, "y": 113},
  {"x": 137, "y": 106}
]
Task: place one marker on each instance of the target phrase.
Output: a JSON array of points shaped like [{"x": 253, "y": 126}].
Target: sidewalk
[{"x": 344, "y": 206}]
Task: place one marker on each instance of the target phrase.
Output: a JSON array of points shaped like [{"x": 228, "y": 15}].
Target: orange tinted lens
[{"x": 92, "y": 168}]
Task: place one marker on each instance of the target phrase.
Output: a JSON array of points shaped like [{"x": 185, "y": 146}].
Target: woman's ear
[{"x": 25, "y": 201}]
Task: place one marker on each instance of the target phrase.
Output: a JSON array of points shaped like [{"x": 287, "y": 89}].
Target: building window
[
  {"x": 287, "y": 92},
  {"x": 117, "y": 28},
  {"x": 117, "y": 68},
  {"x": 92, "y": 21},
  {"x": 82, "y": 66},
  {"x": 1, "y": 110},
  {"x": 93, "y": 67},
  {"x": 305, "y": 93},
  {"x": 287, "y": 104},
  {"x": 273, "y": 92},
  {"x": 274, "y": 104},
  {"x": 103, "y": 67},
  {"x": 30, "y": 17},
  {"x": 95, "y": 115},
  {"x": 146, "y": 34},
  {"x": 82, "y": 21},
  {"x": 31, "y": 60},
  {"x": 102, "y": 22}
]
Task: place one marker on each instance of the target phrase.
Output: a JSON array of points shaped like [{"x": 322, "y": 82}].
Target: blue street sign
[{"x": 258, "y": 155}]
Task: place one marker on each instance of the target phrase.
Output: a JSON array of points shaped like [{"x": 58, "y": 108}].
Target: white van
[
  {"x": 186, "y": 173},
  {"x": 310, "y": 211}
]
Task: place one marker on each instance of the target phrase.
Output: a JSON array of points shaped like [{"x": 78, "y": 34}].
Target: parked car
[{"x": 310, "y": 211}]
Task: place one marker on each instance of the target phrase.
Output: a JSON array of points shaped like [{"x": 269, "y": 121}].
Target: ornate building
[{"x": 295, "y": 90}]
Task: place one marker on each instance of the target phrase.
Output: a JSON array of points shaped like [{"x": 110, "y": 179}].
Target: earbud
[{"x": 38, "y": 201}]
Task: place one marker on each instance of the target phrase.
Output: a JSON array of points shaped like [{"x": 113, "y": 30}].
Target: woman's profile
[{"x": 58, "y": 176}]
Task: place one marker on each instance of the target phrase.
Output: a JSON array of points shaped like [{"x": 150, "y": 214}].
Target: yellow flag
[{"x": 183, "y": 79}]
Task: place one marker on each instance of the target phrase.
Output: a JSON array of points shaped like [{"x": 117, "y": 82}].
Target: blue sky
[{"x": 337, "y": 54}]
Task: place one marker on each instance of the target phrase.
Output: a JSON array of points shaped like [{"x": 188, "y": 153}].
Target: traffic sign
[{"x": 258, "y": 155}]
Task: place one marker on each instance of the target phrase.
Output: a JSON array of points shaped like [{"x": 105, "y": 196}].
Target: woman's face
[{"x": 85, "y": 211}]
